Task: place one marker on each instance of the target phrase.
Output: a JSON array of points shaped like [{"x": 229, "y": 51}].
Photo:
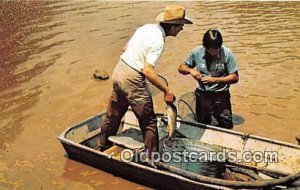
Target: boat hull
[
  {"x": 79, "y": 142},
  {"x": 134, "y": 172}
]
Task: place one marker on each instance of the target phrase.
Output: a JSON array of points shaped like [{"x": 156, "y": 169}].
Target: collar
[
  {"x": 219, "y": 54},
  {"x": 162, "y": 31}
]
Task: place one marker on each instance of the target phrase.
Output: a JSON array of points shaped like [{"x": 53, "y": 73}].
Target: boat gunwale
[
  {"x": 230, "y": 131},
  {"x": 195, "y": 124}
]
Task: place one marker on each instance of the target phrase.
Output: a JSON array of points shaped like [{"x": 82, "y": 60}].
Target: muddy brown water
[{"x": 50, "y": 49}]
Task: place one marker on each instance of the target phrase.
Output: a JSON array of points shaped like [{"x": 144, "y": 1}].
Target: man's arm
[
  {"x": 185, "y": 70},
  {"x": 150, "y": 74},
  {"x": 229, "y": 79}
]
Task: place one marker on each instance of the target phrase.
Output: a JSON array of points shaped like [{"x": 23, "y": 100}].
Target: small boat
[{"x": 279, "y": 168}]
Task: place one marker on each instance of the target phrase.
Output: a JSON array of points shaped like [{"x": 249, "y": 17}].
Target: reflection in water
[
  {"x": 21, "y": 21},
  {"x": 49, "y": 50}
]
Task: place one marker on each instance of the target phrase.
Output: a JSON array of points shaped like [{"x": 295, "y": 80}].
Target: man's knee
[{"x": 225, "y": 120}]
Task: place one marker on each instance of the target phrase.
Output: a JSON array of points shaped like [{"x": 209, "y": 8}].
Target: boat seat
[
  {"x": 114, "y": 151},
  {"x": 127, "y": 142},
  {"x": 130, "y": 138}
]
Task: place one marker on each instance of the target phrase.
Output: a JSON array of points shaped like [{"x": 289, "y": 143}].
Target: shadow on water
[{"x": 237, "y": 119}]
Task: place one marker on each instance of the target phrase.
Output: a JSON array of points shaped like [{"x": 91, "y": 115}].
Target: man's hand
[
  {"x": 229, "y": 79},
  {"x": 185, "y": 70},
  {"x": 196, "y": 74},
  {"x": 169, "y": 97},
  {"x": 208, "y": 80}
]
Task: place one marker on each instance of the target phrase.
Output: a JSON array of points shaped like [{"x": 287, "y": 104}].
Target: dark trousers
[
  {"x": 129, "y": 89},
  {"x": 215, "y": 104}
]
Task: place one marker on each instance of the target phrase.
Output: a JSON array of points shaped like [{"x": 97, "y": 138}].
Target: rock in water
[{"x": 100, "y": 74}]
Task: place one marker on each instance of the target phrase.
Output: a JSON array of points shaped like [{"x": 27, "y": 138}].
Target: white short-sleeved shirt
[{"x": 146, "y": 45}]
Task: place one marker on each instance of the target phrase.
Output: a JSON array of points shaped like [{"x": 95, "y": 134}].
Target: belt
[
  {"x": 130, "y": 66},
  {"x": 197, "y": 91}
]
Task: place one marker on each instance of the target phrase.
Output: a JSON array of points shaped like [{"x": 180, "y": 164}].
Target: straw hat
[{"x": 173, "y": 14}]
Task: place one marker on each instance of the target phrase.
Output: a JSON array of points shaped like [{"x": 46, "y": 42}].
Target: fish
[{"x": 172, "y": 119}]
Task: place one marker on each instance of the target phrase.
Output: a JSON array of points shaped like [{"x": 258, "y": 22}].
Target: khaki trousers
[{"x": 129, "y": 89}]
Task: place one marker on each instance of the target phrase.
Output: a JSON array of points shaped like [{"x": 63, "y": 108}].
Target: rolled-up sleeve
[
  {"x": 231, "y": 62},
  {"x": 190, "y": 60}
]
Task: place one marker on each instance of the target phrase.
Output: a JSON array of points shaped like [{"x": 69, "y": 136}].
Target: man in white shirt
[{"x": 137, "y": 64}]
